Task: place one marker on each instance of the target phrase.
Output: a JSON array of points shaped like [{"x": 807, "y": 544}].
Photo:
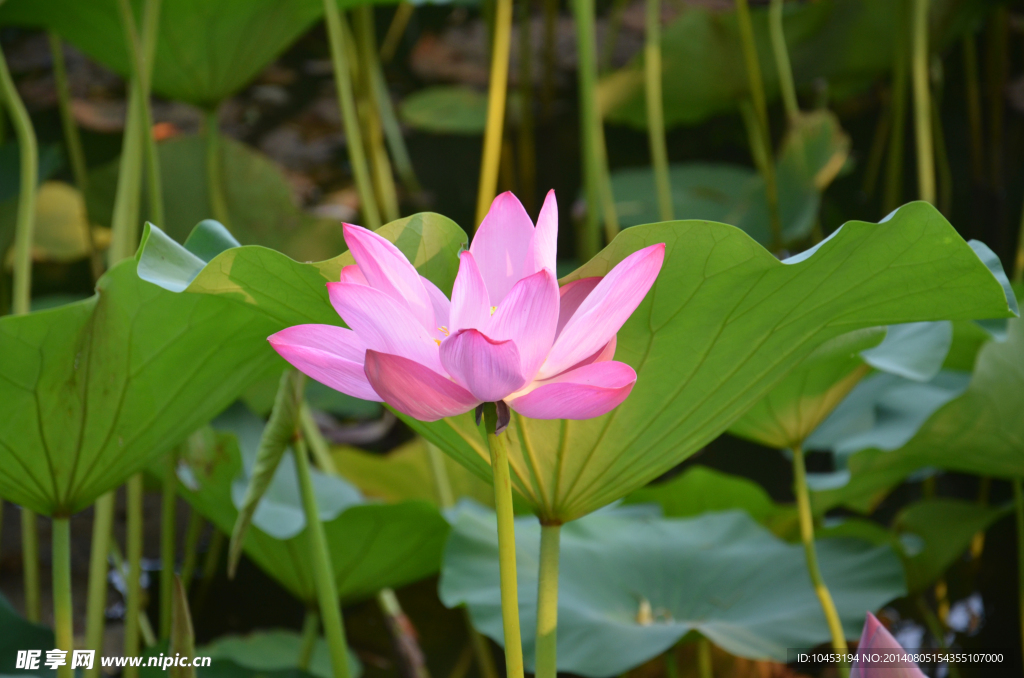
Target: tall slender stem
[
  {"x": 803, "y": 504},
  {"x": 496, "y": 94},
  {"x": 893, "y": 193},
  {"x": 96, "y": 603},
  {"x": 167, "y": 543},
  {"x": 760, "y": 151},
  {"x": 310, "y": 634},
  {"x": 349, "y": 115},
  {"x": 922, "y": 103},
  {"x": 196, "y": 523},
  {"x": 873, "y": 166},
  {"x": 393, "y": 132},
  {"x": 944, "y": 172},
  {"x": 526, "y": 150},
  {"x": 705, "y": 668},
  {"x": 323, "y": 570},
  {"x": 133, "y": 548},
  {"x": 655, "y": 108},
  {"x": 214, "y": 551},
  {"x": 972, "y": 93},
  {"x": 442, "y": 484},
  {"x": 1018, "y": 505},
  {"x": 760, "y": 105},
  {"x": 154, "y": 190},
  {"x": 931, "y": 620},
  {"x": 63, "y": 629},
  {"x": 396, "y": 30},
  {"x": 547, "y": 602},
  {"x": 611, "y": 34},
  {"x": 597, "y": 183},
  {"x": 30, "y": 563},
  {"x": 498, "y": 444},
  {"x": 215, "y": 169},
  {"x": 782, "y": 66}
]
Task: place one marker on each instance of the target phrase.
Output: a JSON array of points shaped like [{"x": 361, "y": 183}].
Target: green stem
[
  {"x": 193, "y": 531},
  {"x": 527, "y": 152},
  {"x": 757, "y": 97},
  {"x": 167, "y": 543},
  {"x": 349, "y": 115},
  {"x": 943, "y": 169},
  {"x": 547, "y": 602},
  {"x": 215, "y": 169},
  {"x": 498, "y": 444},
  {"x": 63, "y": 629},
  {"x": 1018, "y": 505},
  {"x": 972, "y": 92},
  {"x": 481, "y": 649},
  {"x": 893, "y": 194},
  {"x": 873, "y": 166},
  {"x": 29, "y": 175},
  {"x": 150, "y": 26},
  {"x": 595, "y": 161},
  {"x": 403, "y": 635},
  {"x": 133, "y": 548},
  {"x": 782, "y": 65},
  {"x": 323, "y": 570},
  {"x": 393, "y": 132},
  {"x": 671, "y": 666},
  {"x": 310, "y": 634},
  {"x": 922, "y": 103},
  {"x": 214, "y": 551},
  {"x": 96, "y": 604},
  {"x": 705, "y": 668},
  {"x": 30, "y": 563},
  {"x": 803, "y": 503},
  {"x": 383, "y": 176},
  {"x": 318, "y": 446},
  {"x": 442, "y": 484},
  {"x": 496, "y": 95},
  {"x": 938, "y": 633},
  {"x": 655, "y": 108},
  {"x": 760, "y": 151},
  {"x": 396, "y": 30}
]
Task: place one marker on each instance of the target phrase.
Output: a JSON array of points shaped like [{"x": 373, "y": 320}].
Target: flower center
[
  {"x": 493, "y": 309},
  {"x": 443, "y": 330}
]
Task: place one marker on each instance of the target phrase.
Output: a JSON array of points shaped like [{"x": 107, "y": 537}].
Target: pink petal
[
  {"x": 571, "y": 295},
  {"x": 471, "y": 305},
  {"x": 544, "y": 247},
  {"x": 528, "y": 316},
  {"x": 414, "y": 390},
  {"x": 501, "y": 245},
  {"x": 387, "y": 270},
  {"x": 584, "y": 393},
  {"x": 876, "y": 638},
  {"x": 352, "y": 274},
  {"x": 440, "y": 304},
  {"x": 605, "y": 309},
  {"x": 489, "y": 369},
  {"x": 331, "y": 355},
  {"x": 383, "y": 324}
]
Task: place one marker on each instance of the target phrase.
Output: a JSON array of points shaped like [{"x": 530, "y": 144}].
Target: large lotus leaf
[
  {"x": 724, "y": 322},
  {"x": 631, "y": 586},
  {"x": 980, "y": 432},
  {"x": 206, "y": 50},
  {"x": 702, "y": 57},
  {"x": 17, "y": 633},
  {"x": 273, "y": 650},
  {"x": 94, "y": 389},
  {"x": 372, "y": 546},
  {"x": 261, "y": 207},
  {"x": 944, "y": 528},
  {"x": 810, "y": 156}
]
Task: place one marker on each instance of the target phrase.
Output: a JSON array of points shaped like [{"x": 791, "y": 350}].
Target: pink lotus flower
[
  {"x": 509, "y": 334},
  {"x": 876, "y": 639}
]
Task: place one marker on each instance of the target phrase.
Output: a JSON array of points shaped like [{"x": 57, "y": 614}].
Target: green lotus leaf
[
  {"x": 273, "y": 650},
  {"x": 703, "y": 72},
  {"x": 372, "y": 546},
  {"x": 447, "y": 109},
  {"x": 17, "y": 633},
  {"x": 981, "y": 432},
  {"x": 724, "y": 323},
  {"x": 631, "y": 586},
  {"x": 811, "y": 155}
]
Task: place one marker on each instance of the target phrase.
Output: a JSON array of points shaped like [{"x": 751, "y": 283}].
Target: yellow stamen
[{"x": 493, "y": 309}]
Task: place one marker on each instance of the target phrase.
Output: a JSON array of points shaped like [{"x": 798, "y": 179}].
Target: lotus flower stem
[
  {"x": 215, "y": 169},
  {"x": 167, "y": 543},
  {"x": 527, "y": 152},
  {"x": 972, "y": 94},
  {"x": 782, "y": 66},
  {"x": 73, "y": 143},
  {"x": 22, "y": 300},
  {"x": 595, "y": 157},
  {"x": 893, "y": 194},
  {"x": 496, "y": 95},
  {"x": 349, "y": 116},
  {"x": 310, "y": 633},
  {"x": 30, "y": 563},
  {"x": 498, "y": 444},
  {"x": 1018, "y": 505},
  {"x": 655, "y": 109},
  {"x": 96, "y": 603},
  {"x": 133, "y": 548},
  {"x": 760, "y": 109},
  {"x": 399, "y": 22},
  {"x": 803, "y": 504},
  {"x": 323, "y": 570},
  {"x": 547, "y": 602},
  {"x": 193, "y": 531},
  {"x": 705, "y": 667},
  {"x": 62, "y": 619},
  {"x": 922, "y": 102}
]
